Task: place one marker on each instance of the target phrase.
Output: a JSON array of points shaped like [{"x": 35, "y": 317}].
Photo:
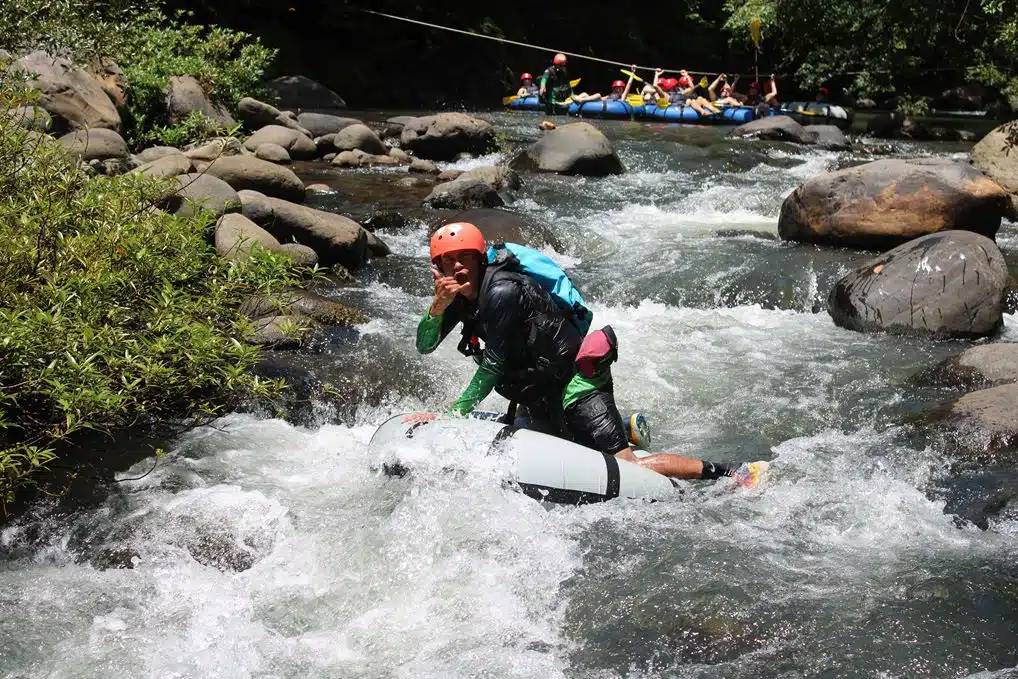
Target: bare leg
[{"x": 666, "y": 464}]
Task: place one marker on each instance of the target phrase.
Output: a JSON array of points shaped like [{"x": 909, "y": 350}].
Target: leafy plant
[
  {"x": 111, "y": 313},
  {"x": 913, "y": 107},
  {"x": 196, "y": 127},
  {"x": 228, "y": 64}
]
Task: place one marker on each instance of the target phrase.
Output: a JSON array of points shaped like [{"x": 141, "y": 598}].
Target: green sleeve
[
  {"x": 481, "y": 384},
  {"x": 429, "y": 333}
]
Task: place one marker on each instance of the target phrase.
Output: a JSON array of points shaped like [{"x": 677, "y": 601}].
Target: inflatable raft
[
  {"x": 818, "y": 113},
  {"x": 544, "y": 467},
  {"x": 606, "y": 108},
  {"x": 679, "y": 113},
  {"x": 529, "y": 103}
]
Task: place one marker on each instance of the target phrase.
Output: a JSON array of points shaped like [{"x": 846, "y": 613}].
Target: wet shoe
[
  {"x": 750, "y": 474},
  {"x": 638, "y": 430}
]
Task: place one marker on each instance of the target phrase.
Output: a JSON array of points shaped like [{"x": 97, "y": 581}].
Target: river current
[{"x": 261, "y": 549}]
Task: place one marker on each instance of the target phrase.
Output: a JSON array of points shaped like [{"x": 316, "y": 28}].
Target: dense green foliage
[
  {"x": 883, "y": 46},
  {"x": 152, "y": 48},
  {"x": 111, "y": 313}
]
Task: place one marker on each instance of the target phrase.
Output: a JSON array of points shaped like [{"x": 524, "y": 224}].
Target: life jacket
[
  {"x": 531, "y": 89},
  {"x": 550, "y": 337}
]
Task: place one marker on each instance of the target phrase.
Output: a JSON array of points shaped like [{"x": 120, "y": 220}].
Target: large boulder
[
  {"x": 156, "y": 152},
  {"x": 461, "y": 194},
  {"x": 185, "y": 95},
  {"x": 504, "y": 226},
  {"x": 774, "y": 128},
  {"x": 359, "y": 136},
  {"x": 301, "y": 303},
  {"x": 68, "y": 93},
  {"x": 206, "y": 192},
  {"x": 985, "y": 365},
  {"x": 948, "y": 284},
  {"x": 321, "y": 124},
  {"x": 297, "y": 145},
  {"x": 996, "y": 156},
  {"x": 32, "y": 118},
  {"x": 300, "y": 92},
  {"x": 336, "y": 239},
  {"x": 96, "y": 144},
  {"x": 166, "y": 166},
  {"x": 274, "y": 153},
  {"x": 257, "y": 114},
  {"x": 828, "y": 137},
  {"x": 445, "y": 135},
  {"x": 985, "y": 421},
  {"x": 236, "y": 235},
  {"x": 577, "y": 148},
  {"x": 281, "y": 332},
  {"x": 498, "y": 177},
  {"x": 248, "y": 172},
  {"x": 887, "y": 202}
]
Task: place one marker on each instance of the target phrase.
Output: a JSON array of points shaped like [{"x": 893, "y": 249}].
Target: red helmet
[
  {"x": 685, "y": 81},
  {"x": 457, "y": 237},
  {"x": 667, "y": 83},
  {"x": 560, "y": 59},
  {"x": 526, "y": 76},
  {"x": 618, "y": 83},
  {"x": 823, "y": 91},
  {"x": 755, "y": 85}
]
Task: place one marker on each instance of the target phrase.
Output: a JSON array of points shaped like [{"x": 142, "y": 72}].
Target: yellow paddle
[{"x": 632, "y": 75}]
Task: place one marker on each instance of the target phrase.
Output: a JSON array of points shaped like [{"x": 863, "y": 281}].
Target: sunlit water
[{"x": 262, "y": 549}]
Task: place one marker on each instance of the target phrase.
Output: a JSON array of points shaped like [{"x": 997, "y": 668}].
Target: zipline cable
[{"x": 536, "y": 47}]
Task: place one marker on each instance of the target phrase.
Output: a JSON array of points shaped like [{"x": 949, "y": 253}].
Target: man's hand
[{"x": 446, "y": 289}]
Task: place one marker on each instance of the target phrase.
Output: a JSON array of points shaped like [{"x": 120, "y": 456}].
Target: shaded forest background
[{"x": 893, "y": 51}]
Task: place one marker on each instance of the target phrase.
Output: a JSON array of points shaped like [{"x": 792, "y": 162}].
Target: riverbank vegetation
[{"x": 114, "y": 313}]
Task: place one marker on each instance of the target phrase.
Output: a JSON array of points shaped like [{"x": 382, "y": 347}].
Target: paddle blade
[
  {"x": 508, "y": 100},
  {"x": 634, "y": 100},
  {"x": 632, "y": 75},
  {"x": 574, "y": 83},
  {"x": 754, "y": 30}
]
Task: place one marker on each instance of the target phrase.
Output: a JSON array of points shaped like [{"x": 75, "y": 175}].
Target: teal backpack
[{"x": 548, "y": 275}]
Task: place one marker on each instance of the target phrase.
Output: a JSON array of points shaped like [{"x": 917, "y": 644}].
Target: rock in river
[{"x": 948, "y": 284}]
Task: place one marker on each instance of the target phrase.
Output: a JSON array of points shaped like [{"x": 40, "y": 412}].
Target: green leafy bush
[
  {"x": 152, "y": 48},
  {"x": 196, "y": 127},
  {"x": 111, "y": 312}
]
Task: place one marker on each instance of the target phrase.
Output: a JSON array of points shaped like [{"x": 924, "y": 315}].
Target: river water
[{"x": 257, "y": 548}]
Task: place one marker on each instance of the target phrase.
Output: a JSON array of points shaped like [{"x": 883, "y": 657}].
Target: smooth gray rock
[
  {"x": 248, "y": 172},
  {"x": 443, "y": 136},
  {"x": 462, "y": 194},
  {"x": 206, "y": 192},
  {"x": 297, "y": 145},
  {"x": 321, "y": 124},
  {"x": 274, "y": 153},
  {"x": 359, "y": 136},
  {"x": 301, "y": 92},
  {"x": 186, "y": 95},
  {"x": 68, "y": 93},
  {"x": 95, "y": 144},
  {"x": 236, "y": 235},
  {"x": 577, "y": 148},
  {"x": 948, "y": 284}
]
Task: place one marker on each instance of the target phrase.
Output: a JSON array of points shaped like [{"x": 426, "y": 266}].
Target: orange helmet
[
  {"x": 560, "y": 59},
  {"x": 457, "y": 237}
]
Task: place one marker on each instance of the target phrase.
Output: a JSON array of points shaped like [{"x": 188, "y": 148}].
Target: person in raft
[
  {"x": 760, "y": 101},
  {"x": 535, "y": 356},
  {"x": 672, "y": 90},
  {"x": 527, "y": 86},
  {"x": 554, "y": 86},
  {"x": 697, "y": 94},
  {"x": 728, "y": 96},
  {"x": 620, "y": 90}
]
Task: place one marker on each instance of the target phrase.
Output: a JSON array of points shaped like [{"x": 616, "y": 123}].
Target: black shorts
[{"x": 594, "y": 422}]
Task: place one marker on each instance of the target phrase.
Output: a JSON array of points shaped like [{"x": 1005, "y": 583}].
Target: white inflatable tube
[{"x": 545, "y": 467}]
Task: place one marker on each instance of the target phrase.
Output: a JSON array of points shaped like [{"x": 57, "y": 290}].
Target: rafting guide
[{"x": 525, "y": 324}]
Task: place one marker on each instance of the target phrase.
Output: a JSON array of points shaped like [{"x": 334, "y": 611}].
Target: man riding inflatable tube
[{"x": 533, "y": 353}]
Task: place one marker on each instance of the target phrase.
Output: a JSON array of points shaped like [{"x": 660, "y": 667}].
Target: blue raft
[
  {"x": 606, "y": 108},
  {"x": 529, "y": 103},
  {"x": 730, "y": 115}
]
